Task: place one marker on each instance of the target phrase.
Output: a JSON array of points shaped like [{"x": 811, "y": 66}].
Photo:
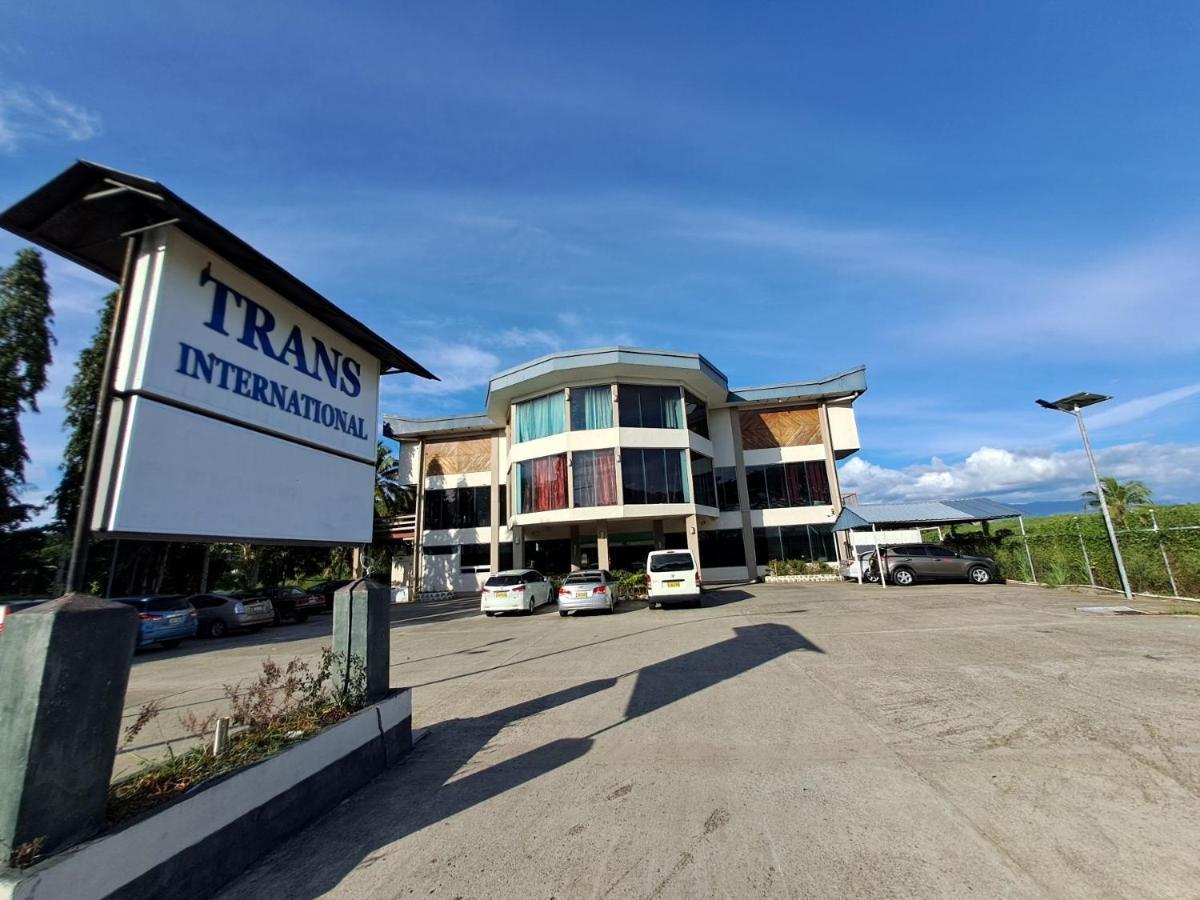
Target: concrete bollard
[
  {"x": 362, "y": 628},
  {"x": 64, "y": 667}
]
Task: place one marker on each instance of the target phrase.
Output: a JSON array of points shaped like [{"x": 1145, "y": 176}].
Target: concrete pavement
[{"x": 807, "y": 740}]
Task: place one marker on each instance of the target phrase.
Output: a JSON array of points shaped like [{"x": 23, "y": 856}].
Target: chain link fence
[{"x": 1160, "y": 558}]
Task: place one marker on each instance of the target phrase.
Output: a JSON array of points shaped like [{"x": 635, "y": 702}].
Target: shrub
[{"x": 282, "y": 705}]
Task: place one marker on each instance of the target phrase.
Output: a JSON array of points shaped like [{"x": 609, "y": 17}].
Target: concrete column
[
  {"x": 602, "y": 545},
  {"x": 739, "y": 462},
  {"x": 494, "y": 549},
  {"x": 418, "y": 559},
  {"x": 691, "y": 527},
  {"x": 518, "y": 536},
  {"x": 660, "y": 537},
  {"x": 573, "y": 534},
  {"x": 831, "y": 473},
  {"x": 64, "y": 667},
  {"x": 361, "y": 626}
]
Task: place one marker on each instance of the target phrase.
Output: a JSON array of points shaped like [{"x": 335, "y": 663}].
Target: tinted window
[
  {"x": 939, "y": 551},
  {"x": 206, "y": 601},
  {"x": 503, "y": 581},
  {"x": 165, "y": 604},
  {"x": 672, "y": 562},
  {"x": 723, "y": 548},
  {"x": 727, "y": 493},
  {"x": 653, "y": 476},
  {"x": 909, "y": 550},
  {"x": 704, "y": 489},
  {"x": 458, "y": 508},
  {"x": 472, "y": 555},
  {"x": 697, "y": 414},
  {"x": 582, "y": 578},
  {"x": 649, "y": 406}
]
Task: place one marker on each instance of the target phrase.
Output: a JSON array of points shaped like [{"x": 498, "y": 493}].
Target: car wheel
[
  {"x": 979, "y": 575},
  {"x": 530, "y": 608},
  {"x": 217, "y": 628},
  {"x": 171, "y": 645},
  {"x": 489, "y": 613},
  {"x": 903, "y": 577},
  {"x": 563, "y": 613},
  {"x": 275, "y": 617}
]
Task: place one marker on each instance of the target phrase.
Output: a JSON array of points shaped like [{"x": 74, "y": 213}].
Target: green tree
[
  {"x": 1122, "y": 498},
  {"x": 80, "y": 403},
  {"x": 25, "y": 342},
  {"x": 388, "y": 489}
]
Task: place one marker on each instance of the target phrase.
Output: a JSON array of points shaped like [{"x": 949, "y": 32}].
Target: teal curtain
[
  {"x": 591, "y": 407},
  {"x": 672, "y": 409},
  {"x": 541, "y": 417},
  {"x": 684, "y": 485}
]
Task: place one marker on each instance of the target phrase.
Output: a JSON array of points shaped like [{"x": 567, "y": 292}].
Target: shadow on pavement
[{"x": 424, "y": 790}]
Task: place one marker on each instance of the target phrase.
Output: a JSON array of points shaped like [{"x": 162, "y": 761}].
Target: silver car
[
  {"x": 221, "y": 613},
  {"x": 591, "y": 589}
]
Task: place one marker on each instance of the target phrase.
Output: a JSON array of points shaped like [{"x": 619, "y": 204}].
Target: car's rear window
[
  {"x": 503, "y": 581},
  {"x": 672, "y": 562},
  {"x": 582, "y": 578}
]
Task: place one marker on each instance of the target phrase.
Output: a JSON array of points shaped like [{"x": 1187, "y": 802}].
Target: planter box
[
  {"x": 799, "y": 579},
  {"x": 190, "y": 847}
]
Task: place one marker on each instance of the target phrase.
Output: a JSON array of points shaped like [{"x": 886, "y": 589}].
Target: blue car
[{"x": 162, "y": 618}]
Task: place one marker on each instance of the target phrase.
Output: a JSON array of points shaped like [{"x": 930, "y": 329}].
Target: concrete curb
[
  {"x": 799, "y": 579},
  {"x": 190, "y": 848}
]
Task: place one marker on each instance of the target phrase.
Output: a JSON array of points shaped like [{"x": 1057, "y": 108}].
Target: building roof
[
  {"x": 932, "y": 512},
  {"x": 86, "y": 213},
  {"x": 850, "y": 383},
  {"x": 401, "y": 427}
]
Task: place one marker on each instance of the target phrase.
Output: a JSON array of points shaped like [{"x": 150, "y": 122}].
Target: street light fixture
[{"x": 1073, "y": 404}]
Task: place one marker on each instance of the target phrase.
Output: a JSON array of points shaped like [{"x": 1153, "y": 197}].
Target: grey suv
[{"x": 907, "y": 563}]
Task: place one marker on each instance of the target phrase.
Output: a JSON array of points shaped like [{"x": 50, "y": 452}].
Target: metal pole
[
  {"x": 1112, "y": 535},
  {"x": 1086, "y": 559},
  {"x": 76, "y": 571},
  {"x": 112, "y": 568},
  {"x": 204, "y": 569},
  {"x": 1166, "y": 562},
  {"x": 854, "y": 555},
  {"x": 1028, "y": 555},
  {"x": 879, "y": 558}
]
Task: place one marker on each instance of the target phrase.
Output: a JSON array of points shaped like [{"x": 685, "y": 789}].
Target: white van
[{"x": 672, "y": 576}]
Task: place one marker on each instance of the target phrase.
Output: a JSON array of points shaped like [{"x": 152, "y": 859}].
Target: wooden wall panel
[
  {"x": 458, "y": 457},
  {"x": 767, "y": 429}
]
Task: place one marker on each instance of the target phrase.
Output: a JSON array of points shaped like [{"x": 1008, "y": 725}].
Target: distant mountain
[{"x": 1050, "y": 507}]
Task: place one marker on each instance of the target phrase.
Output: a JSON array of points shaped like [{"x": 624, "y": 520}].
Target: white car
[
  {"x": 861, "y": 563},
  {"x": 672, "y": 577},
  {"x": 517, "y": 590}
]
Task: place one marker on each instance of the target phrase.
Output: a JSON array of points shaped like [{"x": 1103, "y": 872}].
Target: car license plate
[
  {"x": 674, "y": 584},
  {"x": 501, "y": 595},
  {"x": 581, "y": 595}
]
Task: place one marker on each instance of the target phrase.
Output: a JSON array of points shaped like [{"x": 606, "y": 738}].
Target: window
[
  {"x": 439, "y": 550},
  {"x": 540, "y": 417},
  {"x": 676, "y": 561},
  {"x": 813, "y": 543},
  {"x": 649, "y": 406},
  {"x": 595, "y": 476},
  {"x": 722, "y": 549},
  {"x": 473, "y": 555},
  {"x": 653, "y": 476},
  {"x": 727, "y": 492},
  {"x": 506, "y": 556},
  {"x": 697, "y": 414},
  {"x": 458, "y": 508},
  {"x": 591, "y": 407},
  {"x": 703, "y": 487},
  {"x": 790, "y": 484},
  {"x": 540, "y": 484}
]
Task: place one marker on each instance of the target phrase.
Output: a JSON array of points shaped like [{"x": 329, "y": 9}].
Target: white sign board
[{"x": 237, "y": 415}]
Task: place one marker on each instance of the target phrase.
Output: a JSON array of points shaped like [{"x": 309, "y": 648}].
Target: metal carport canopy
[{"x": 928, "y": 512}]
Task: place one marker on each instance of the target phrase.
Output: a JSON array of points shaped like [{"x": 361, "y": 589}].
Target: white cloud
[
  {"x": 1173, "y": 470},
  {"x": 29, "y": 113},
  {"x": 460, "y": 367}
]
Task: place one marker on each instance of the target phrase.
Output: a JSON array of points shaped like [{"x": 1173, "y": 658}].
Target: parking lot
[{"x": 806, "y": 740}]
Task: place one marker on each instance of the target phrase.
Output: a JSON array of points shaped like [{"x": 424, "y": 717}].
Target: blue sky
[{"x": 984, "y": 203}]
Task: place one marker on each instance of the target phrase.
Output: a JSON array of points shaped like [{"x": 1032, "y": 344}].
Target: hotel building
[{"x": 592, "y": 458}]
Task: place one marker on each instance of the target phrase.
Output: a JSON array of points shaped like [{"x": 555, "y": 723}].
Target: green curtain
[{"x": 541, "y": 417}]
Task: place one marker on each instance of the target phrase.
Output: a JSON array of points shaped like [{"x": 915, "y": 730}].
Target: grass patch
[{"x": 282, "y": 706}]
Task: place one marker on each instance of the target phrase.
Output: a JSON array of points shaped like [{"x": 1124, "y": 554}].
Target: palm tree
[
  {"x": 388, "y": 488},
  {"x": 1122, "y": 498}
]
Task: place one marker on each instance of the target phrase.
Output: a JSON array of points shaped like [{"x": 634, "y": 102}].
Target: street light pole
[
  {"x": 1073, "y": 405},
  {"x": 1112, "y": 534}
]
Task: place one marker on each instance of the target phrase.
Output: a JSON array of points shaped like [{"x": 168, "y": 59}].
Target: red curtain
[
  {"x": 606, "y": 478},
  {"x": 550, "y": 483},
  {"x": 818, "y": 483}
]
